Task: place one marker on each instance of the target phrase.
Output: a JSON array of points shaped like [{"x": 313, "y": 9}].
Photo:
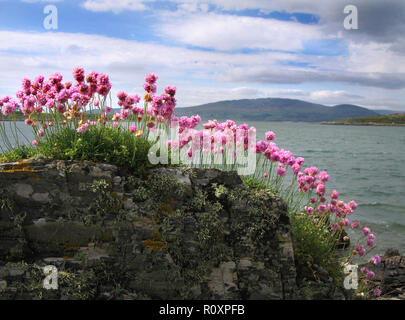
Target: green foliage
[
  {"x": 107, "y": 145},
  {"x": 22, "y": 152},
  {"x": 388, "y": 119},
  {"x": 255, "y": 183},
  {"x": 314, "y": 246}
]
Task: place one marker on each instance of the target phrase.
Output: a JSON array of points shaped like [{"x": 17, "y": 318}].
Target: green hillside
[{"x": 397, "y": 119}]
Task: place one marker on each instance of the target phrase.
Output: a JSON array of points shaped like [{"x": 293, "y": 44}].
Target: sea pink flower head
[
  {"x": 370, "y": 275},
  {"x": 35, "y": 143},
  {"x": 270, "y": 136},
  {"x": 361, "y": 251},
  {"x": 312, "y": 171},
  {"x": 377, "y": 292},
  {"x": 78, "y": 74},
  {"x": 355, "y": 225},
  {"x": 366, "y": 231},
  {"x": 334, "y": 195},
  {"x": 171, "y": 91},
  {"x": 321, "y": 208},
  {"x": 151, "y": 78},
  {"x": 300, "y": 161},
  {"x": 281, "y": 171},
  {"x": 310, "y": 210},
  {"x": 122, "y": 95},
  {"x": 295, "y": 168},
  {"x": 371, "y": 236},
  {"x": 132, "y": 128},
  {"x": 353, "y": 205},
  {"x": 323, "y": 176},
  {"x": 82, "y": 128},
  {"x": 320, "y": 189},
  {"x": 375, "y": 259}
]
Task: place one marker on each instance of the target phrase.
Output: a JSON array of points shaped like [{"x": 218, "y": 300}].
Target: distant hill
[
  {"x": 386, "y": 111},
  {"x": 397, "y": 119},
  {"x": 275, "y": 109}
]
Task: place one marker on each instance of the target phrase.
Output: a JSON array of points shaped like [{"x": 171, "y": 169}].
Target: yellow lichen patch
[
  {"x": 164, "y": 207},
  {"x": 21, "y": 166},
  {"x": 156, "y": 243}
]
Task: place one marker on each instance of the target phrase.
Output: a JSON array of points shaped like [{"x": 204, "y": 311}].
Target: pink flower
[
  {"x": 366, "y": 231},
  {"x": 355, "y": 225},
  {"x": 78, "y": 74},
  {"x": 371, "y": 236},
  {"x": 35, "y": 143},
  {"x": 300, "y": 161},
  {"x": 361, "y": 251},
  {"x": 132, "y": 128},
  {"x": 353, "y": 205},
  {"x": 323, "y": 176},
  {"x": 370, "y": 274},
  {"x": 171, "y": 91},
  {"x": 312, "y": 171},
  {"x": 281, "y": 171},
  {"x": 310, "y": 210},
  {"x": 334, "y": 195},
  {"x": 375, "y": 259},
  {"x": 320, "y": 189},
  {"x": 82, "y": 128},
  {"x": 270, "y": 136},
  {"x": 122, "y": 95},
  {"x": 321, "y": 208},
  {"x": 151, "y": 78},
  {"x": 370, "y": 243},
  {"x": 295, "y": 168},
  {"x": 377, "y": 292}
]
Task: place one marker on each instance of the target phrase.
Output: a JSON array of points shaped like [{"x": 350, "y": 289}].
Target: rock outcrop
[
  {"x": 389, "y": 276},
  {"x": 172, "y": 234}
]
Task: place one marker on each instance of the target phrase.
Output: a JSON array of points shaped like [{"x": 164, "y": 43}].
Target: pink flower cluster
[
  {"x": 162, "y": 106},
  {"x": 8, "y": 106},
  {"x": 273, "y": 153},
  {"x": 63, "y": 97}
]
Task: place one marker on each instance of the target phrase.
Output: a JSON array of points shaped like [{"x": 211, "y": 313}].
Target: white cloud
[
  {"x": 201, "y": 76},
  {"x": 229, "y": 32},
  {"x": 115, "y": 6},
  {"x": 337, "y": 95}
]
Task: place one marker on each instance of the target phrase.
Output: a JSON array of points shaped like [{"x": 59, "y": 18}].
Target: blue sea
[{"x": 365, "y": 163}]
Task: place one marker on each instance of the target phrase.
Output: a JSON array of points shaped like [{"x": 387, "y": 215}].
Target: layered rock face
[
  {"x": 389, "y": 276},
  {"x": 172, "y": 234}
]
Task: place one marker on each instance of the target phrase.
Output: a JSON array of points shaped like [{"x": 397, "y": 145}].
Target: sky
[{"x": 215, "y": 50}]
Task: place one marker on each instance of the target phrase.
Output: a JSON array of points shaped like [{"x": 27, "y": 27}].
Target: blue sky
[{"x": 215, "y": 49}]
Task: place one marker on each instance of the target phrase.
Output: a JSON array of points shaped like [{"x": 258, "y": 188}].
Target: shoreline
[{"x": 367, "y": 124}]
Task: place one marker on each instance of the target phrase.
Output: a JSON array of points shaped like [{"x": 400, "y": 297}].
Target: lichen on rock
[{"x": 172, "y": 234}]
